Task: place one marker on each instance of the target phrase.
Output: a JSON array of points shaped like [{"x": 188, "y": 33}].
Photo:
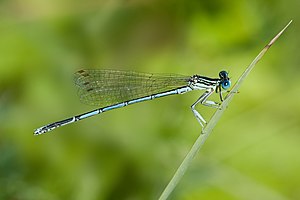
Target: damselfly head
[
  {"x": 223, "y": 75},
  {"x": 225, "y": 82}
]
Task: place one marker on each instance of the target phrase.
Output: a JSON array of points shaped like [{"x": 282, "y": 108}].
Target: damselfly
[{"x": 110, "y": 89}]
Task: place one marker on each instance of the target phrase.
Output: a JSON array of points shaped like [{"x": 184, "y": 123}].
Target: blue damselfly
[{"x": 110, "y": 89}]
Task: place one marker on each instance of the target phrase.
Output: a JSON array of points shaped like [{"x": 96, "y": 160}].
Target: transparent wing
[{"x": 107, "y": 87}]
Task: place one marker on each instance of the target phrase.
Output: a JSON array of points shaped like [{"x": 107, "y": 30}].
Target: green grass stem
[{"x": 213, "y": 121}]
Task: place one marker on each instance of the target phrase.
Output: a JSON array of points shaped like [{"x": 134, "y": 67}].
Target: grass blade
[{"x": 213, "y": 121}]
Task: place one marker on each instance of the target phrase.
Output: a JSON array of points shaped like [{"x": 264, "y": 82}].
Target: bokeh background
[{"x": 132, "y": 153}]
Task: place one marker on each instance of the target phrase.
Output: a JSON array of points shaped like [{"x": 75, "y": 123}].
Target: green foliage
[{"x": 131, "y": 153}]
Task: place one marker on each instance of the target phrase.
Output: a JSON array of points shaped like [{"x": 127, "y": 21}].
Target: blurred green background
[{"x": 132, "y": 153}]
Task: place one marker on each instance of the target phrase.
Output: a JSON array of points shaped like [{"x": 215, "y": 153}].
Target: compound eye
[
  {"x": 223, "y": 74},
  {"x": 226, "y": 84}
]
